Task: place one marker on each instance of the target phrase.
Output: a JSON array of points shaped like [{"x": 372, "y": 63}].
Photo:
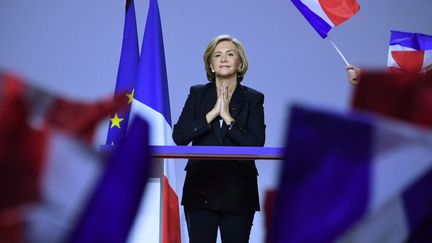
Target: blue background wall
[{"x": 73, "y": 48}]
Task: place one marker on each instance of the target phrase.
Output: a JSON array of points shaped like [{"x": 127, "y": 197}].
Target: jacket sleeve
[
  {"x": 190, "y": 125},
  {"x": 253, "y": 132}
]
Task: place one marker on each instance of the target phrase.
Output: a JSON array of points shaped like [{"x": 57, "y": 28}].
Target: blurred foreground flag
[
  {"x": 29, "y": 116},
  {"x": 403, "y": 96},
  {"x": 111, "y": 208},
  {"x": 353, "y": 178},
  {"x": 409, "y": 52},
  {"x": 323, "y": 15},
  {"x": 49, "y": 170}
]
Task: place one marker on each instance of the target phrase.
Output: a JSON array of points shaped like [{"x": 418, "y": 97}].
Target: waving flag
[
  {"x": 126, "y": 74},
  {"x": 151, "y": 101},
  {"x": 323, "y": 15},
  {"x": 410, "y": 52},
  {"x": 44, "y": 147},
  {"x": 353, "y": 178}
]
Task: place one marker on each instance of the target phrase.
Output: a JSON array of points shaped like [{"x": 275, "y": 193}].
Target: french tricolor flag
[
  {"x": 49, "y": 170},
  {"x": 323, "y": 15},
  {"x": 151, "y": 102},
  {"x": 410, "y": 52},
  {"x": 353, "y": 177}
]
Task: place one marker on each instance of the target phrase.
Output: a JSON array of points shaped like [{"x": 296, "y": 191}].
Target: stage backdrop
[{"x": 73, "y": 48}]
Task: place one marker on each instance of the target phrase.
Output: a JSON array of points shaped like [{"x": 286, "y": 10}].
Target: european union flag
[{"x": 126, "y": 74}]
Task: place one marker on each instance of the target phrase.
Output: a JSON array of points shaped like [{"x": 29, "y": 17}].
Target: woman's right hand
[{"x": 215, "y": 112}]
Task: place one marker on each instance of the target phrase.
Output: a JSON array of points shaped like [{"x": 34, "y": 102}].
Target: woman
[{"x": 221, "y": 193}]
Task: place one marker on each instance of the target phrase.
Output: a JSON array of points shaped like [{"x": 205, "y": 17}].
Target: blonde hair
[{"x": 240, "y": 51}]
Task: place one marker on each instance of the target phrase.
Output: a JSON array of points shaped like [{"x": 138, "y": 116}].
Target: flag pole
[{"x": 338, "y": 50}]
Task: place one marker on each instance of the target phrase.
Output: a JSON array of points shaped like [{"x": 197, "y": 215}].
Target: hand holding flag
[{"x": 353, "y": 73}]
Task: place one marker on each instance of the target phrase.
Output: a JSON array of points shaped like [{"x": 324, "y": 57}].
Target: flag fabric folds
[
  {"x": 17, "y": 168},
  {"x": 45, "y": 145},
  {"x": 71, "y": 169},
  {"x": 353, "y": 177},
  {"x": 112, "y": 206},
  {"x": 29, "y": 114},
  {"x": 402, "y": 96},
  {"x": 410, "y": 52},
  {"x": 323, "y": 15},
  {"x": 126, "y": 75},
  {"x": 151, "y": 101}
]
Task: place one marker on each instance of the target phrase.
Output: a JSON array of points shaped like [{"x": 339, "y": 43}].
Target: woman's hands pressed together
[{"x": 221, "y": 108}]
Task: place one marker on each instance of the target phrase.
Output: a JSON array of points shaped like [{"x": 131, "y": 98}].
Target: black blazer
[{"x": 221, "y": 184}]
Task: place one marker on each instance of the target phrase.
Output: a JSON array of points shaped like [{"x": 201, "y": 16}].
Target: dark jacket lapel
[
  {"x": 237, "y": 101},
  {"x": 236, "y": 105}
]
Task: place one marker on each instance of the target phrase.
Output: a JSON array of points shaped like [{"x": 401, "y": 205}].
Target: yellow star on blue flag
[
  {"x": 115, "y": 121},
  {"x": 130, "y": 96}
]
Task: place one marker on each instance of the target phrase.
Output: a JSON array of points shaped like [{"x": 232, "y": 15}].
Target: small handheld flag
[
  {"x": 323, "y": 15},
  {"x": 409, "y": 52}
]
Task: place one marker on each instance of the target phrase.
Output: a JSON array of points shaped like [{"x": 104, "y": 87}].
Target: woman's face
[{"x": 225, "y": 61}]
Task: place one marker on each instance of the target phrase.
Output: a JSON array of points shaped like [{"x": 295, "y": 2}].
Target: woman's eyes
[{"x": 231, "y": 54}]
